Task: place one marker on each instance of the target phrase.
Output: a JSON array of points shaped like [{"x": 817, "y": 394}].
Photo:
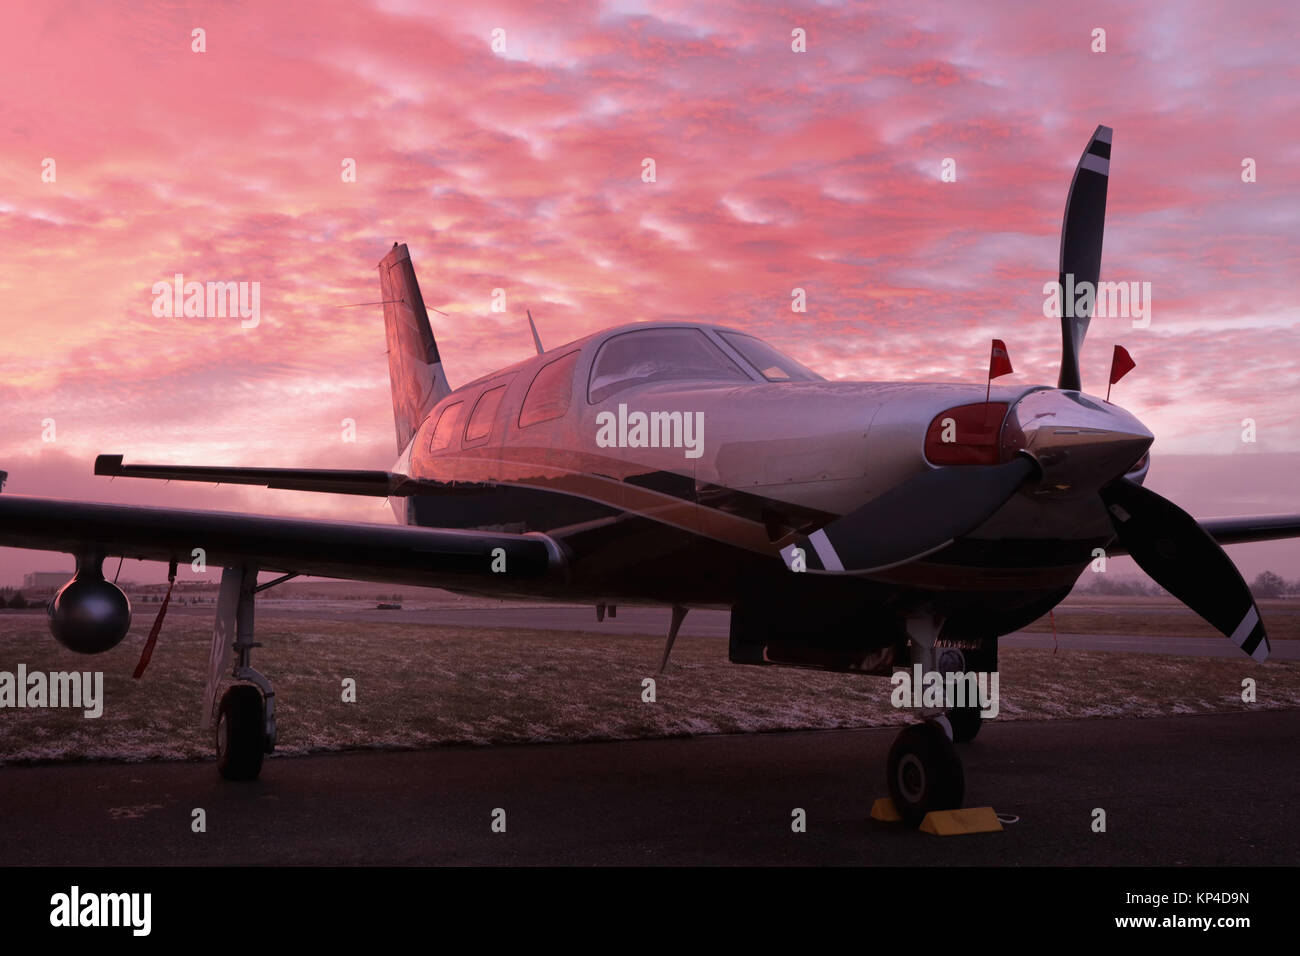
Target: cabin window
[
  {"x": 445, "y": 430},
  {"x": 485, "y": 410},
  {"x": 549, "y": 395},
  {"x": 659, "y": 355},
  {"x": 772, "y": 365}
]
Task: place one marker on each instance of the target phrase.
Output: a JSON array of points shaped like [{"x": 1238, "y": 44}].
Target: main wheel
[
  {"x": 965, "y": 722},
  {"x": 925, "y": 773},
  {"x": 241, "y": 733}
]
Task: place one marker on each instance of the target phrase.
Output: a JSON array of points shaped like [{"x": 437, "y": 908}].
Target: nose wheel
[{"x": 924, "y": 772}]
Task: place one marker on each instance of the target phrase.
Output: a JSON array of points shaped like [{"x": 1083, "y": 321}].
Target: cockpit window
[
  {"x": 771, "y": 364},
  {"x": 658, "y": 355}
]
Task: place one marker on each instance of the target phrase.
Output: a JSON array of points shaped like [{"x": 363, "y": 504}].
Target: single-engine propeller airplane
[{"x": 849, "y": 526}]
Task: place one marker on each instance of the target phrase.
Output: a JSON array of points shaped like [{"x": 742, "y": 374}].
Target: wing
[
  {"x": 1252, "y": 528},
  {"x": 381, "y": 484},
  {"x": 368, "y": 552},
  {"x": 1241, "y": 530}
]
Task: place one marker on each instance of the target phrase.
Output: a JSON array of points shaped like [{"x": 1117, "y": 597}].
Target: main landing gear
[
  {"x": 924, "y": 771},
  {"x": 241, "y": 733},
  {"x": 245, "y": 724}
]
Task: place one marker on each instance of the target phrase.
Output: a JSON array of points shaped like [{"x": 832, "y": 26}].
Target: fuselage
[{"x": 672, "y": 463}]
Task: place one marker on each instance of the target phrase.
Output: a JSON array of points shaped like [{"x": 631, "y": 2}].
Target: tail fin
[{"x": 414, "y": 367}]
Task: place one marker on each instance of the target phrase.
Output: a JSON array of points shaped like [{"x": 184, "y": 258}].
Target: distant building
[{"x": 45, "y": 581}]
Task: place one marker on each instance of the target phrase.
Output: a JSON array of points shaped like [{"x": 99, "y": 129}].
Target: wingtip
[{"x": 108, "y": 464}]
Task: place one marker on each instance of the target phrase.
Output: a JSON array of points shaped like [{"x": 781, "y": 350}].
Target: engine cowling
[{"x": 90, "y": 615}]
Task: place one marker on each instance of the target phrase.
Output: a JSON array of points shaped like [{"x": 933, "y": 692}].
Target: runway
[
  {"x": 1208, "y": 790},
  {"x": 707, "y": 623}
]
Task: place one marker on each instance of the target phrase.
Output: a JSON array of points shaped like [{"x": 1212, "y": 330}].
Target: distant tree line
[
  {"x": 12, "y": 598},
  {"x": 1267, "y": 584}
]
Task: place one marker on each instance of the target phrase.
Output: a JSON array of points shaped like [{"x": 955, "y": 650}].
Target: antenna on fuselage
[{"x": 532, "y": 325}]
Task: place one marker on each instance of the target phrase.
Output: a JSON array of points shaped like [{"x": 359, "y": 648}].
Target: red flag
[
  {"x": 1121, "y": 363},
  {"x": 999, "y": 360}
]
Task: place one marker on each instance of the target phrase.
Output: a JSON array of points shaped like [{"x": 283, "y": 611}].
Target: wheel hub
[{"x": 911, "y": 778}]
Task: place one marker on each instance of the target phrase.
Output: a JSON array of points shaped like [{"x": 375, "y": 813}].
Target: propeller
[
  {"x": 1081, "y": 233},
  {"x": 1070, "y": 444},
  {"x": 1182, "y": 558},
  {"x": 913, "y": 519}
]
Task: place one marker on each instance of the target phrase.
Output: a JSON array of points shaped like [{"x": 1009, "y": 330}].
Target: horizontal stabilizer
[{"x": 341, "y": 481}]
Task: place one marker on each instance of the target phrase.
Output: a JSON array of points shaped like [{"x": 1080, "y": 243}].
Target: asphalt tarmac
[{"x": 1208, "y": 790}]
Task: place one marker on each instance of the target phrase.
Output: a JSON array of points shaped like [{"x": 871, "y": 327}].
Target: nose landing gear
[{"x": 924, "y": 771}]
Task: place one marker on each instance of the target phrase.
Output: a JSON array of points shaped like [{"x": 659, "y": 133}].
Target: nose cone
[{"x": 1079, "y": 442}]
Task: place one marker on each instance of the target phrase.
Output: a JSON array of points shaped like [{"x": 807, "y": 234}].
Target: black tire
[
  {"x": 966, "y": 723},
  {"x": 241, "y": 733},
  {"x": 925, "y": 773}
]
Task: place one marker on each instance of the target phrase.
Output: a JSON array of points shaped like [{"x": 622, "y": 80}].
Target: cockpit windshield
[
  {"x": 659, "y": 355},
  {"x": 772, "y": 365}
]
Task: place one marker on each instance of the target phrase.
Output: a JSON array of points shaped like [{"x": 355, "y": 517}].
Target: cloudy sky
[{"x": 521, "y": 168}]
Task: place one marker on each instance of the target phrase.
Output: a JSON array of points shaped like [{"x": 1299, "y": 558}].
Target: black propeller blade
[
  {"x": 917, "y": 517},
  {"x": 1081, "y": 233},
  {"x": 1178, "y": 553}
]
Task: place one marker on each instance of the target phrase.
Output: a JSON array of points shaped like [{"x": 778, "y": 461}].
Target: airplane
[{"x": 859, "y": 527}]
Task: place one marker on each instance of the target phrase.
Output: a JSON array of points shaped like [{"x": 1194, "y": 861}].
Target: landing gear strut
[
  {"x": 967, "y": 720},
  {"x": 923, "y": 771}
]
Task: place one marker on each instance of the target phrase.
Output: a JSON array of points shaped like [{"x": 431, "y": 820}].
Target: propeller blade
[
  {"x": 1081, "y": 233},
  {"x": 912, "y": 520},
  {"x": 1183, "y": 559}
]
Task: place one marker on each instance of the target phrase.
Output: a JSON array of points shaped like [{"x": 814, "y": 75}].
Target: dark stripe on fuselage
[{"x": 616, "y": 553}]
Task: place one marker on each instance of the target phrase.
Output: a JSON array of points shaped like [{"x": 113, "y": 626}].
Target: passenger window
[
  {"x": 445, "y": 430},
  {"x": 480, "y": 421},
  {"x": 549, "y": 395},
  {"x": 659, "y": 355}
]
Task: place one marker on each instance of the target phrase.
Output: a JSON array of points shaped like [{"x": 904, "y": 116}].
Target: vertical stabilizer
[{"x": 414, "y": 367}]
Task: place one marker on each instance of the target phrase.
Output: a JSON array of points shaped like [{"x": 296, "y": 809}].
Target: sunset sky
[{"x": 522, "y": 170}]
